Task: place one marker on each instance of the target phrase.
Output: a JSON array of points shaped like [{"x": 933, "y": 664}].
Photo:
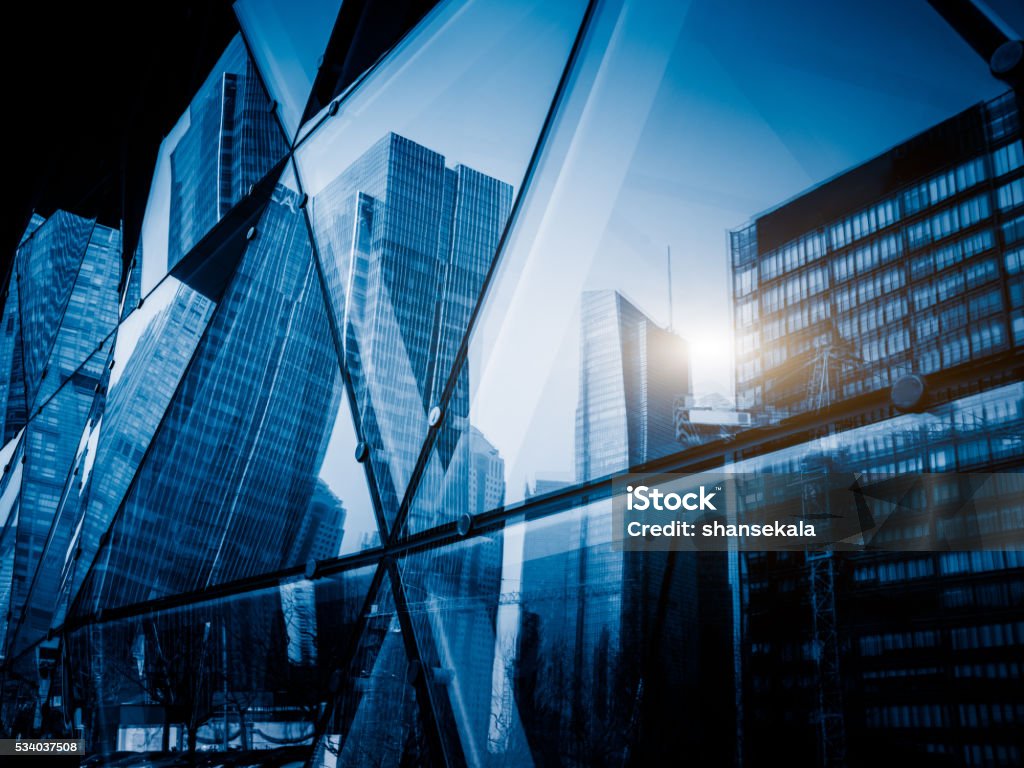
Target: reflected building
[
  {"x": 632, "y": 372},
  {"x": 411, "y": 241},
  {"x": 595, "y": 682},
  {"x": 232, "y": 139},
  {"x": 244, "y": 436},
  {"x": 61, "y": 305},
  {"x": 909, "y": 263},
  {"x": 323, "y": 526}
]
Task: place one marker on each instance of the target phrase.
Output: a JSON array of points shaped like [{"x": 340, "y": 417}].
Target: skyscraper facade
[
  {"x": 61, "y": 309},
  {"x": 230, "y": 143},
  {"x": 631, "y": 374},
  {"x": 908, "y": 263}
]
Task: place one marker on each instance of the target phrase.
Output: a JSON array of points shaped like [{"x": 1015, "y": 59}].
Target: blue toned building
[
  {"x": 231, "y": 141},
  {"x": 60, "y": 312},
  {"x": 908, "y": 264},
  {"x": 597, "y": 680},
  {"x": 239, "y": 448},
  {"x": 632, "y": 373},
  {"x": 408, "y": 242}
]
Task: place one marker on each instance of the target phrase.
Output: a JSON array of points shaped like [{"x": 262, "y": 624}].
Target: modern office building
[
  {"x": 408, "y": 242},
  {"x": 61, "y": 309},
  {"x": 908, "y": 263},
  {"x": 231, "y": 141},
  {"x": 595, "y": 680},
  {"x": 632, "y": 372}
]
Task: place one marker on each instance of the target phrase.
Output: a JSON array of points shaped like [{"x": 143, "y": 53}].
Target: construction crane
[{"x": 830, "y": 363}]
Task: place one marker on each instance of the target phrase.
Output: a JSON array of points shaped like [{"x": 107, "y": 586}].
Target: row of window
[
  {"x": 1008, "y": 158},
  {"x": 1010, "y": 195},
  {"x": 939, "y": 259},
  {"x": 944, "y": 185},
  {"x": 947, "y": 221},
  {"x": 866, "y": 257},
  {"x": 793, "y": 255},
  {"x": 863, "y": 223},
  {"x": 902, "y": 570}
]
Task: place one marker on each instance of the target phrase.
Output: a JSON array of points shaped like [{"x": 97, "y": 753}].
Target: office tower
[
  {"x": 908, "y": 263},
  {"x": 595, "y": 682},
  {"x": 61, "y": 307},
  {"x": 231, "y": 141},
  {"x": 239, "y": 449},
  {"x": 631, "y": 374},
  {"x": 408, "y": 243},
  {"x": 323, "y": 526}
]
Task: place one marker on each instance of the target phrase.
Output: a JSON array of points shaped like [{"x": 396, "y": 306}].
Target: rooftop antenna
[{"x": 668, "y": 259}]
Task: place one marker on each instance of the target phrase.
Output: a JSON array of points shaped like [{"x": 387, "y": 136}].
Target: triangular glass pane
[
  {"x": 227, "y": 141},
  {"x": 257, "y": 439},
  {"x": 90, "y": 315},
  {"x": 51, "y": 439},
  {"x": 46, "y": 267},
  {"x": 375, "y": 716},
  {"x": 410, "y": 187},
  {"x": 596, "y": 349},
  {"x": 288, "y": 41}
]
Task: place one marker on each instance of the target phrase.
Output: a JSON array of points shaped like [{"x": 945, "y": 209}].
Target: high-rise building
[
  {"x": 323, "y": 526},
  {"x": 222, "y": 470},
  {"x": 592, "y": 673},
  {"x": 631, "y": 374},
  {"x": 61, "y": 307},
  {"x": 231, "y": 141},
  {"x": 409, "y": 243},
  {"x": 909, "y": 263}
]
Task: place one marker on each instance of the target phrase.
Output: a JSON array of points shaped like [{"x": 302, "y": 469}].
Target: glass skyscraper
[{"x": 319, "y": 460}]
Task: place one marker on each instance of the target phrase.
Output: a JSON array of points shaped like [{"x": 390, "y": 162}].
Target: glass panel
[
  {"x": 248, "y": 673},
  {"x": 411, "y": 186},
  {"x": 258, "y": 437},
  {"x": 553, "y": 648},
  {"x": 90, "y": 315},
  {"x": 51, "y": 439},
  {"x": 364, "y": 32},
  {"x": 227, "y": 141},
  {"x": 374, "y": 717},
  {"x": 46, "y": 267},
  {"x": 288, "y": 40},
  {"x": 153, "y": 347},
  {"x": 596, "y": 350}
]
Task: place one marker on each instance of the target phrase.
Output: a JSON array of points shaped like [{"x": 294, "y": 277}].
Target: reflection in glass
[
  {"x": 153, "y": 347},
  {"x": 647, "y": 173},
  {"x": 552, "y": 645},
  {"x": 248, "y": 672},
  {"x": 288, "y": 41},
  {"x": 226, "y": 142},
  {"x": 411, "y": 188},
  {"x": 257, "y": 438},
  {"x": 374, "y": 718}
]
